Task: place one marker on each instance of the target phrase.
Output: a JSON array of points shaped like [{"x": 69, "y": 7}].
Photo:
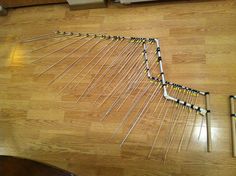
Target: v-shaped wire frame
[
  {"x": 203, "y": 111},
  {"x": 130, "y": 81},
  {"x": 233, "y": 126}
]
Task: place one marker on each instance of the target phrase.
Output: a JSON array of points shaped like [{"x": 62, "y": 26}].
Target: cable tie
[{"x": 199, "y": 109}]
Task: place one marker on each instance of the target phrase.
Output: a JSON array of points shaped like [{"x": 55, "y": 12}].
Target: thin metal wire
[
  {"x": 68, "y": 68},
  {"x": 138, "y": 118},
  {"x": 191, "y": 133},
  {"x": 175, "y": 110},
  {"x": 126, "y": 116},
  {"x": 64, "y": 87},
  {"x": 121, "y": 69},
  {"x": 90, "y": 87},
  {"x": 101, "y": 57},
  {"x": 160, "y": 126},
  {"x": 172, "y": 130},
  {"x": 126, "y": 59},
  {"x": 137, "y": 78},
  {"x": 59, "y": 49},
  {"x": 146, "y": 117},
  {"x": 127, "y": 80},
  {"x": 185, "y": 125},
  {"x": 63, "y": 58},
  {"x": 39, "y": 37},
  {"x": 50, "y": 44},
  {"x": 200, "y": 132},
  {"x": 119, "y": 83},
  {"x": 119, "y": 97},
  {"x": 78, "y": 99}
]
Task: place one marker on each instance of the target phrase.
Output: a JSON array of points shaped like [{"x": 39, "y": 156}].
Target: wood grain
[
  {"x": 198, "y": 47},
  {"x": 20, "y": 3}
]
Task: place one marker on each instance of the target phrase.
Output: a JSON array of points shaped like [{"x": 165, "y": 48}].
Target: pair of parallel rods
[{"x": 233, "y": 126}]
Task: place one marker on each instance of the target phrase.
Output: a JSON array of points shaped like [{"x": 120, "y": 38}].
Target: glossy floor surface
[{"x": 198, "y": 48}]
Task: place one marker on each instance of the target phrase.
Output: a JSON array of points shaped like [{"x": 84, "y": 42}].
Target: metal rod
[
  {"x": 120, "y": 97},
  {"x": 126, "y": 60},
  {"x": 68, "y": 68},
  {"x": 124, "y": 65},
  {"x": 118, "y": 84},
  {"x": 149, "y": 120},
  {"x": 64, "y": 87},
  {"x": 185, "y": 125},
  {"x": 63, "y": 58},
  {"x": 78, "y": 99},
  {"x": 172, "y": 130},
  {"x": 126, "y": 116},
  {"x": 176, "y": 110},
  {"x": 50, "y": 44},
  {"x": 121, "y": 81},
  {"x": 101, "y": 57},
  {"x": 191, "y": 133},
  {"x": 200, "y": 132},
  {"x": 138, "y": 118},
  {"x": 93, "y": 84},
  {"x": 136, "y": 78},
  {"x": 46, "y": 55},
  {"x": 159, "y": 129},
  {"x": 37, "y": 38}
]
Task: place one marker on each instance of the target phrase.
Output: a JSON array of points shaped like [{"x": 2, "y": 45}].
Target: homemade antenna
[{"x": 115, "y": 67}]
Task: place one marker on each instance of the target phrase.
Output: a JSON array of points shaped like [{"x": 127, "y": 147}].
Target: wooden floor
[{"x": 198, "y": 41}]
